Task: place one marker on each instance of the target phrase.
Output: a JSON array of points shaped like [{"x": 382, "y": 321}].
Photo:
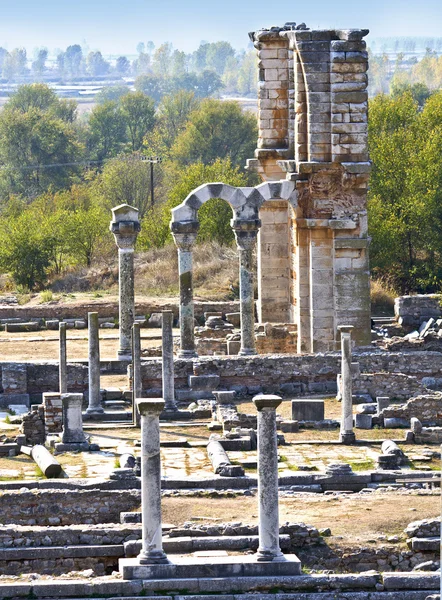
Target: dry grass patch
[{"x": 382, "y": 295}]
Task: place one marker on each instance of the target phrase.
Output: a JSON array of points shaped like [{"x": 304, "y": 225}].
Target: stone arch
[{"x": 244, "y": 201}]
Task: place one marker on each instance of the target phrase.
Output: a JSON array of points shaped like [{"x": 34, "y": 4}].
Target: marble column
[
  {"x": 184, "y": 234},
  {"x": 168, "y": 366},
  {"x": 268, "y": 510},
  {"x": 72, "y": 419},
  {"x": 63, "y": 377},
  {"x": 94, "y": 406},
  {"x": 347, "y": 435},
  {"x": 136, "y": 371},
  {"x": 152, "y": 544},
  {"x": 246, "y": 232},
  {"x": 125, "y": 226}
]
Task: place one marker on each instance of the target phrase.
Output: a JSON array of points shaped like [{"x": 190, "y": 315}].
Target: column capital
[
  {"x": 125, "y": 225},
  {"x": 150, "y": 406},
  {"x": 345, "y": 329},
  {"x": 184, "y": 233},
  {"x": 263, "y": 401},
  {"x": 246, "y": 231}
]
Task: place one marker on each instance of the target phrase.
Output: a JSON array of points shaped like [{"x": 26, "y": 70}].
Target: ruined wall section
[{"x": 325, "y": 152}]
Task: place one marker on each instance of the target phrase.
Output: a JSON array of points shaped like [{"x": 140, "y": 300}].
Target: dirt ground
[
  {"x": 43, "y": 345},
  {"x": 355, "y": 517}
]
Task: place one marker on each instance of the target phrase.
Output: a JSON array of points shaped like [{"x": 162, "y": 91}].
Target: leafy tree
[
  {"x": 141, "y": 65},
  {"x": 138, "y": 111},
  {"x": 125, "y": 179},
  {"x": 122, "y": 65},
  {"x": 96, "y": 64},
  {"x": 14, "y": 64},
  {"x": 111, "y": 93},
  {"x": 217, "y": 130},
  {"x": 419, "y": 91},
  {"x": 154, "y": 87},
  {"x": 172, "y": 116},
  {"x": 3, "y": 54},
  {"x": 405, "y": 215},
  {"x": 39, "y": 64},
  {"x": 72, "y": 60},
  {"x": 162, "y": 60},
  {"x": 35, "y": 95},
  {"x": 107, "y": 130},
  {"x": 217, "y": 56},
  {"x": 140, "y": 47},
  {"x": 87, "y": 225},
  {"x": 25, "y": 250},
  {"x": 34, "y": 147}
]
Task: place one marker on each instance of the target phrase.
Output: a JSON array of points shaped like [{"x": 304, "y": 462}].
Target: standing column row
[{"x": 185, "y": 233}]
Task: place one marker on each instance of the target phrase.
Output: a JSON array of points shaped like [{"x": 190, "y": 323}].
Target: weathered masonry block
[{"x": 313, "y": 253}]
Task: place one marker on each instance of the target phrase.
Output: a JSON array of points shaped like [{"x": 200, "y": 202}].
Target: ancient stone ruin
[{"x": 194, "y": 477}]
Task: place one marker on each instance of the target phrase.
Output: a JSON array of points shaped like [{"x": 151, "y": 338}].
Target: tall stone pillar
[
  {"x": 63, "y": 379},
  {"x": 152, "y": 545},
  {"x": 268, "y": 511},
  {"x": 184, "y": 235},
  {"x": 168, "y": 366},
  {"x": 125, "y": 226},
  {"x": 246, "y": 232},
  {"x": 347, "y": 435},
  {"x": 94, "y": 365},
  {"x": 136, "y": 371}
]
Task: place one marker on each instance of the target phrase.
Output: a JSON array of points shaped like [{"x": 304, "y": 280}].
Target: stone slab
[
  {"x": 307, "y": 410},
  {"x": 244, "y": 566}
]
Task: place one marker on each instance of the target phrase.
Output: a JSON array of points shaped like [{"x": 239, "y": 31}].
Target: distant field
[{"x": 86, "y": 105}]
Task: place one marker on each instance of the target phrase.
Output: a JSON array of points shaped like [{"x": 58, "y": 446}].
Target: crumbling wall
[
  {"x": 410, "y": 311},
  {"x": 427, "y": 408}
]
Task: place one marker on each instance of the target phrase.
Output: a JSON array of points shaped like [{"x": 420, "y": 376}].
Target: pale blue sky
[{"x": 116, "y": 26}]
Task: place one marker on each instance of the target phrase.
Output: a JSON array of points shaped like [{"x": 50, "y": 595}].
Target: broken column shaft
[
  {"x": 246, "y": 232},
  {"x": 72, "y": 419},
  {"x": 63, "y": 379},
  {"x": 136, "y": 371},
  {"x": 125, "y": 226},
  {"x": 152, "y": 544},
  {"x": 167, "y": 360},
  {"x": 347, "y": 435},
  {"x": 94, "y": 406},
  {"x": 268, "y": 511}
]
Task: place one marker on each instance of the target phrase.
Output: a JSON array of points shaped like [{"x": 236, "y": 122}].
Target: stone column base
[
  {"x": 347, "y": 438},
  {"x": 72, "y": 447},
  {"x": 213, "y": 567}
]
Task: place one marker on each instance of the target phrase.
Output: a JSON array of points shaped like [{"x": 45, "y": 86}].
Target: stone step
[
  {"x": 184, "y": 545},
  {"x": 53, "y": 552},
  {"x": 306, "y": 587},
  {"x": 108, "y": 416},
  {"x": 425, "y": 544},
  {"x": 213, "y": 567}
]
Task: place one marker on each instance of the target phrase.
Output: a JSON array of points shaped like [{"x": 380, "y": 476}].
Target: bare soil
[{"x": 355, "y": 517}]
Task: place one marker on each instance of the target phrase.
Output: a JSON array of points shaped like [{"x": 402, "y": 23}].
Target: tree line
[
  {"x": 158, "y": 71},
  {"x": 60, "y": 175}
]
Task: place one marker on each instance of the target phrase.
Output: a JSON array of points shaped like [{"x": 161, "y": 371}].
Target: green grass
[{"x": 362, "y": 465}]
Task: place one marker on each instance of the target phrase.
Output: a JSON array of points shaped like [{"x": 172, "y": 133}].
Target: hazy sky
[{"x": 116, "y": 26}]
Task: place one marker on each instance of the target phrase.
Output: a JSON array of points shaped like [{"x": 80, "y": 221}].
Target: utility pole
[{"x": 152, "y": 160}]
